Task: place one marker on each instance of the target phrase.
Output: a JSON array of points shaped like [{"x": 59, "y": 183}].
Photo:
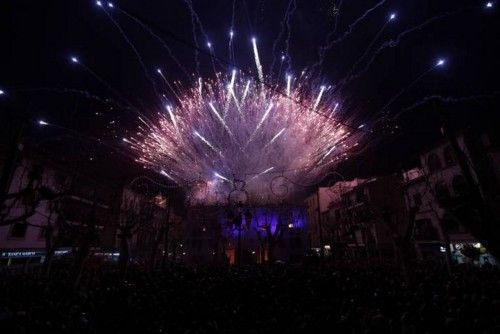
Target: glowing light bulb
[
  {"x": 392, "y": 16},
  {"x": 489, "y": 4},
  {"x": 158, "y": 70},
  {"x": 42, "y": 122},
  {"x": 74, "y": 60},
  {"x": 2, "y": 92},
  {"x": 110, "y": 5},
  {"x": 231, "y": 33},
  {"x": 209, "y": 45},
  {"x": 98, "y": 3}
]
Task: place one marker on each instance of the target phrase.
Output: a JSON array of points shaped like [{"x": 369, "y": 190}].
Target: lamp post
[
  {"x": 236, "y": 220},
  {"x": 238, "y": 198}
]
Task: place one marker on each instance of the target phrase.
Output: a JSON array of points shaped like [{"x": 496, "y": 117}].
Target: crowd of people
[{"x": 255, "y": 299}]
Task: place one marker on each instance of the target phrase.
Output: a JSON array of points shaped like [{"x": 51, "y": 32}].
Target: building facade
[
  {"x": 47, "y": 206},
  {"x": 438, "y": 191},
  {"x": 217, "y": 234}
]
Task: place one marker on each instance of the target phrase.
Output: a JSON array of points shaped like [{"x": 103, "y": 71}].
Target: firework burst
[{"x": 235, "y": 127}]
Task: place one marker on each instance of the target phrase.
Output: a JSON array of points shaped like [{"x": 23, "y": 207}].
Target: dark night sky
[{"x": 39, "y": 36}]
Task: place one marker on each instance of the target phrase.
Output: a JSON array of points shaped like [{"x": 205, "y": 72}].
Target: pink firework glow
[{"x": 236, "y": 128}]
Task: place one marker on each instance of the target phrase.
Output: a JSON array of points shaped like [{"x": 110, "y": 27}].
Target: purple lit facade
[{"x": 212, "y": 234}]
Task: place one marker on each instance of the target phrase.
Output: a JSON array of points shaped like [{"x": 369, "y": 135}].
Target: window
[
  {"x": 448, "y": 156},
  {"x": 18, "y": 230},
  {"x": 360, "y": 196},
  {"x": 441, "y": 191},
  {"x": 295, "y": 243},
  {"x": 417, "y": 199},
  {"x": 433, "y": 162},
  {"x": 29, "y": 199},
  {"x": 60, "y": 181},
  {"x": 459, "y": 185},
  {"x": 42, "y": 232},
  {"x": 424, "y": 230}
]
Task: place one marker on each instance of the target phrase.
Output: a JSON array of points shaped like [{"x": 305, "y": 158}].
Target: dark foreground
[{"x": 257, "y": 300}]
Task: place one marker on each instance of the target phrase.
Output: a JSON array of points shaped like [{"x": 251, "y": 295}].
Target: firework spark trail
[
  {"x": 94, "y": 140},
  {"x": 231, "y": 95},
  {"x": 230, "y": 46},
  {"x": 280, "y": 71},
  {"x": 446, "y": 99},
  {"x": 288, "y": 84},
  {"x": 134, "y": 49},
  {"x": 249, "y": 21},
  {"x": 196, "y": 20},
  {"x": 368, "y": 48},
  {"x": 395, "y": 42},
  {"x": 354, "y": 24},
  {"x": 114, "y": 91},
  {"x": 212, "y": 57},
  {"x": 275, "y": 137},
  {"x": 197, "y": 134},
  {"x": 174, "y": 121},
  {"x": 322, "y": 50},
  {"x": 159, "y": 71},
  {"x": 233, "y": 14},
  {"x": 331, "y": 43},
  {"x": 318, "y": 99},
  {"x": 245, "y": 92},
  {"x": 221, "y": 120},
  {"x": 334, "y": 109},
  {"x": 152, "y": 33},
  {"x": 195, "y": 38},
  {"x": 405, "y": 89},
  {"x": 262, "y": 120},
  {"x": 257, "y": 60},
  {"x": 261, "y": 173},
  {"x": 287, "y": 40},
  {"x": 231, "y": 33},
  {"x": 327, "y": 153},
  {"x": 86, "y": 94},
  {"x": 283, "y": 25}
]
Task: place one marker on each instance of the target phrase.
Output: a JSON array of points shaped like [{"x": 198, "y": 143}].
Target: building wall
[
  {"x": 76, "y": 205},
  {"x": 326, "y": 197},
  {"x": 365, "y": 208},
  {"x": 209, "y": 235},
  {"x": 427, "y": 185},
  {"x": 153, "y": 215},
  {"x": 33, "y": 237},
  {"x": 439, "y": 181}
]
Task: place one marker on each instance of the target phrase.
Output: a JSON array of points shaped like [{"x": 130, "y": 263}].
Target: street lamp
[
  {"x": 238, "y": 198},
  {"x": 235, "y": 218}
]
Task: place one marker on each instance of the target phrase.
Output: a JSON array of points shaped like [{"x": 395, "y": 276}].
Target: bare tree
[
  {"x": 161, "y": 235},
  {"x": 22, "y": 204},
  {"x": 135, "y": 212},
  {"x": 28, "y": 196},
  {"x": 88, "y": 234},
  {"x": 268, "y": 238}
]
